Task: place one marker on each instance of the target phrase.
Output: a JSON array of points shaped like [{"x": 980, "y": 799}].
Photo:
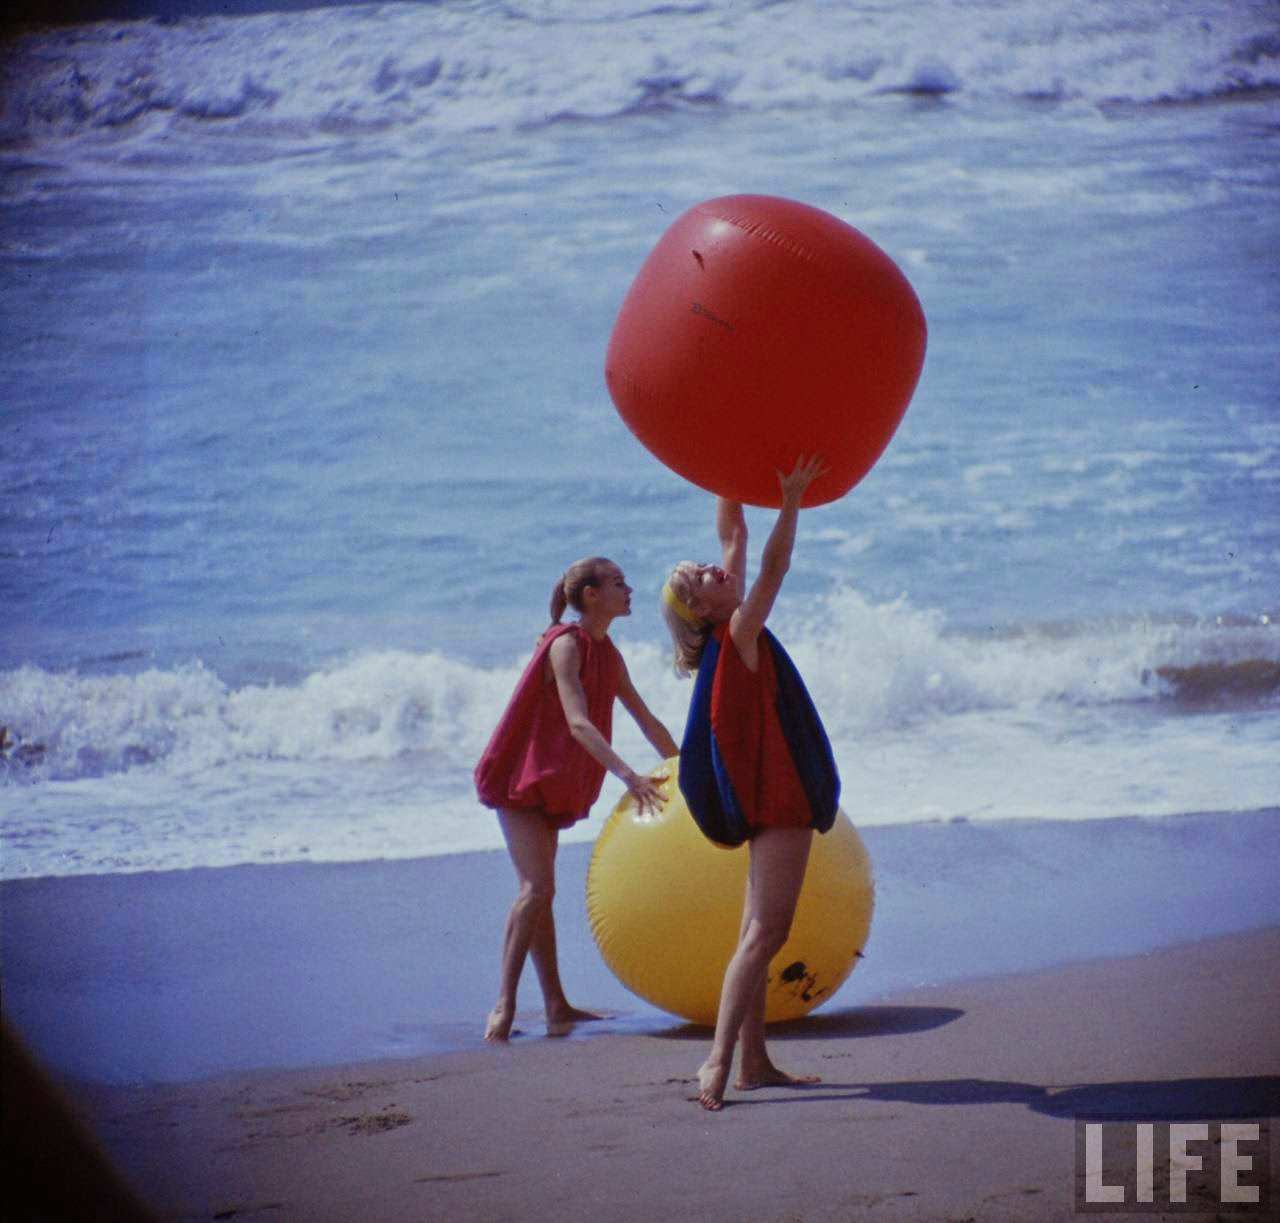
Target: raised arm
[
  {"x": 750, "y": 617},
  {"x": 653, "y": 729},
  {"x": 564, "y": 666},
  {"x": 731, "y": 526}
]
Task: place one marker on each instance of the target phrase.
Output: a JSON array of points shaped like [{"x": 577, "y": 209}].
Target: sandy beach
[
  {"x": 948, "y": 1103},
  {"x": 174, "y": 976},
  {"x": 302, "y": 1041}
]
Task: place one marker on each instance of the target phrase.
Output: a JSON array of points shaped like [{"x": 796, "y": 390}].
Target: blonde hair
[
  {"x": 567, "y": 592},
  {"x": 689, "y": 639}
]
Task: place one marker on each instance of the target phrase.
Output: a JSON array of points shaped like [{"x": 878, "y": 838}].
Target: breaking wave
[
  {"x": 870, "y": 667},
  {"x": 457, "y": 68}
]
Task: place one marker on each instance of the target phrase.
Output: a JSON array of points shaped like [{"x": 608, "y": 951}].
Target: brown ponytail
[
  {"x": 558, "y": 601},
  {"x": 567, "y": 592}
]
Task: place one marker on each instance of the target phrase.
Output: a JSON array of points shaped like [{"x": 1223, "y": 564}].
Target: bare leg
[
  {"x": 778, "y": 860},
  {"x": 751, "y": 1033},
  {"x": 531, "y": 842},
  {"x": 752, "y": 1054},
  {"x": 711, "y": 1080},
  {"x": 755, "y": 1067},
  {"x": 561, "y": 1013}
]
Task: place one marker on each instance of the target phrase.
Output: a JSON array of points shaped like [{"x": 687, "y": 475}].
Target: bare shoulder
[
  {"x": 564, "y": 647},
  {"x": 562, "y": 656}
]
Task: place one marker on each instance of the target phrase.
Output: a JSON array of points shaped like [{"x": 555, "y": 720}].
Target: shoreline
[
  {"x": 177, "y": 976},
  {"x": 948, "y": 1102},
  {"x": 587, "y": 832}
]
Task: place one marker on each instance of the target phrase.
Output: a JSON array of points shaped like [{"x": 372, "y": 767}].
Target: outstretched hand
[
  {"x": 647, "y": 791},
  {"x": 804, "y": 473}
]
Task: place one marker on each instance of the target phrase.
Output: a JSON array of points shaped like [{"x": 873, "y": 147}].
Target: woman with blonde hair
[
  {"x": 545, "y": 764},
  {"x": 755, "y": 765}
]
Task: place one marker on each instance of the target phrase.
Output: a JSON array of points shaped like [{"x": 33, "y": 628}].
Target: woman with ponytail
[
  {"x": 755, "y": 765},
  {"x": 544, "y": 766}
]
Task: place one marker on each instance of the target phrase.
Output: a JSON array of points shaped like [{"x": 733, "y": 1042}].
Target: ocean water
[{"x": 302, "y": 408}]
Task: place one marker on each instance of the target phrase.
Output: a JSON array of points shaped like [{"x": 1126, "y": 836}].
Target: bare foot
[
  {"x": 499, "y": 1023},
  {"x": 560, "y": 1022},
  {"x": 711, "y": 1083},
  {"x": 768, "y": 1075}
]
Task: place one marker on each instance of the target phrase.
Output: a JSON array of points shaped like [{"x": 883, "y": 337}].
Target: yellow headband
[{"x": 679, "y": 606}]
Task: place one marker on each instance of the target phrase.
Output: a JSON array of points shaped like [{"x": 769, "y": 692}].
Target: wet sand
[{"x": 951, "y": 1102}]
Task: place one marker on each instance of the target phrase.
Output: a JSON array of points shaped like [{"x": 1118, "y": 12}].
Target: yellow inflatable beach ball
[{"x": 665, "y": 907}]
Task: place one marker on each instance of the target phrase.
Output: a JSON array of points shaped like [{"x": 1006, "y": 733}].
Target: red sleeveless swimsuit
[
  {"x": 748, "y": 732},
  {"x": 532, "y": 762}
]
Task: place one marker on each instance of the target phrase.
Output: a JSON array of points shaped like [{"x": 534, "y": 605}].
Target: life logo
[{"x": 1188, "y": 1167}]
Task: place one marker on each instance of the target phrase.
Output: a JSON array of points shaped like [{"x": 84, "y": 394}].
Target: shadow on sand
[
  {"x": 840, "y": 1025},
  {"x": 1221, "y": 1099},
  {"x": 1201, "y": 1099}
]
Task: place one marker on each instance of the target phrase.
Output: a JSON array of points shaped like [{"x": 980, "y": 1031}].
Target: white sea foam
[
  {"x": 870, "y": 667},
  {"x": 352, "y": 71},
  {"x": 371, "y": 757}
]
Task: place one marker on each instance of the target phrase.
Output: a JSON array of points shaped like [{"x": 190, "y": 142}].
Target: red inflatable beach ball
[{"x": 760, "y": 329}]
